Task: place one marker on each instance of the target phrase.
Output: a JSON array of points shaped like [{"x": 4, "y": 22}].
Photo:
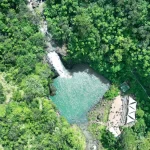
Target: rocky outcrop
[{"x": 62, "y": 51}]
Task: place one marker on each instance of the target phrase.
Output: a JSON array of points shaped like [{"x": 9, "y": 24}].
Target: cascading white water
[
  {"x": 53, "y": 57},
  {"x": 57, "y": 64}
]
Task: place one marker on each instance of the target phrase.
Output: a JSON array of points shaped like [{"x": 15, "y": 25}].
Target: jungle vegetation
[
  {"x": 29, "y": 120},
  {"x": 113, "y": 37}
]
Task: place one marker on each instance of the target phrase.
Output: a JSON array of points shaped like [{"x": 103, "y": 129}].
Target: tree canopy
[
  {"x": 112, "y": 36},
  {"x": 29, "y": 120},
  {"x": 36, "y": 126}
]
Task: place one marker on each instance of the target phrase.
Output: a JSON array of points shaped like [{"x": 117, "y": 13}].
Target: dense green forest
[
  {"x": 28, "y": 120},
  {"x": 113, "y": 37}
]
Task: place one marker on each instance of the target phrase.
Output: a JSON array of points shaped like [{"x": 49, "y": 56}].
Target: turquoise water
[{"x": 75, "y": 96}]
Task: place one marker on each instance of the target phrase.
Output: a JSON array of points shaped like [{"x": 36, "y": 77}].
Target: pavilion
[
  {"x": 122, "y": 113},
  {"x": 131, "y": 109}
]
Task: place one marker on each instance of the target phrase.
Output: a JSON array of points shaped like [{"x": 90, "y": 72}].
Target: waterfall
[
  {"x": 57, "y": 64},
  {"x": 53, "y": 57}
]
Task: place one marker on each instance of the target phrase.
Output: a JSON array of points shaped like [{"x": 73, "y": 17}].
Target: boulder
[
  {"x": 35, "y": 3},
  {"x": 62, "y": 51},
  {"x": 99, "y": 117}
]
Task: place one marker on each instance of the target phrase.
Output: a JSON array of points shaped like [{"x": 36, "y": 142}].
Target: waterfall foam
[
  {"x": 54, "y": 60},
  {"x": 52, "y": 55}
]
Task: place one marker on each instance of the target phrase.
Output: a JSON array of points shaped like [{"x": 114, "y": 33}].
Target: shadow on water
[
  {"x": 79, "y": 93},
  {"x": 85, "y": 68}
]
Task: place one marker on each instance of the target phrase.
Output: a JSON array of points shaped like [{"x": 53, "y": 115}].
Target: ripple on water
[{"x": 75, "y": 96}]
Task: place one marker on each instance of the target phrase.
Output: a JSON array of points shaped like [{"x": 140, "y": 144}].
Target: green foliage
[
  {"x": 29, "y": 120},
  {"x": 128, "y": 139},
  {"x": 140, "y": 127},
  {"x": 2, "y": 96},
  {"x": 32, "y": 87},
  {"x": 17, "y": 95},
  {"x": 112, "y": 36},
  {"x": 108, "y": 140},
  {"x": 9, "y": 4},
  {"x": 3, "y": 110},
  {"x": 27, "y": 126},
  {"x": 97, "y": 130},
  {"x": 112, "y": 93},
  {"x": 140, "y": 113},
  {"x": 144, "y": 143},
  {"x": 106, "y": 34},
  {"x": 44, "y": 72},
  {"x": 21, "y": 44}
]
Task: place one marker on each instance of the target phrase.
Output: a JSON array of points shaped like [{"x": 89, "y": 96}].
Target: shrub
[
  {"x": 112, "y": 92},
  {"x": 2, "y": 96}
]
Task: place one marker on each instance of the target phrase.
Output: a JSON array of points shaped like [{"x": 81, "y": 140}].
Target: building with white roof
[
  {"x": 130, "y": 117},
  {"x": 122, "y": 113},
  {"x": 129, "y": 120}
]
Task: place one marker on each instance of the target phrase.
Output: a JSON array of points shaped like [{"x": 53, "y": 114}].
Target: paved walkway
[{"x": 115, "y": 116}]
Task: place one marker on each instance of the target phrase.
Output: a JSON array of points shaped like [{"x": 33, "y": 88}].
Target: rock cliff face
[
  {"x": 35, "y": 3},
  {"x": 62, "y": 51}
]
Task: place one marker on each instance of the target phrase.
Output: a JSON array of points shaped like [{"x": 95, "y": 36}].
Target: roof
[
  {"x": 130, "y": 110},
  {"x": 132, "y": 115},
  {"x": 131, "y": 100},
  {"x": 129, "y": 119},
  {"x": 133, "y": 106},
  {"x": 124, "y": 87}
]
